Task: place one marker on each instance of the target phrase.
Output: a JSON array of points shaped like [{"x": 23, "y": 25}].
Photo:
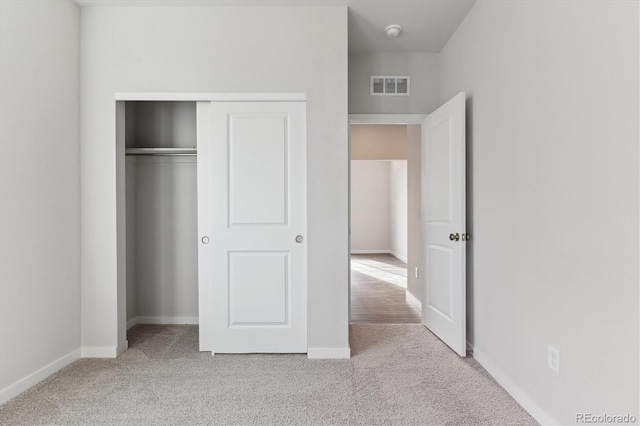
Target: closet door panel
[
  {"x": 257, "y": 171},
  {"x": 254, "y": 279},
  {"x": 258, "y": 305}
]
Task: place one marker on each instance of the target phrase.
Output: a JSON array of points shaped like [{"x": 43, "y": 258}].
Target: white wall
[
  {"x": 379, "y": 189},
  {"x": 131, "y": 200},
  {"x": 398, "y": 208},
  {"x": 39, "y": 194},
  {"x": 165, "y": 250},
  {"x": 553, "y": 129},
  {"x": 188, "y": 49},
  {"x": 378, "y": 141},
  {"x": 161, "y": 124},
  {"x": 370, "y": 212},
  {"x": 421, "y": 67}
]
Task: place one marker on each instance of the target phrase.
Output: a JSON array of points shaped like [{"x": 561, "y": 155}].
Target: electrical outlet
[
  {"x": 417, "y": 272},
  {"x": 553, "y": 359}
]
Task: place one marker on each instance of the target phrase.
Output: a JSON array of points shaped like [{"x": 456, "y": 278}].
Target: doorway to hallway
[
  {"x": 385, "y": 223},
  {"x": 440, "y": 271}
]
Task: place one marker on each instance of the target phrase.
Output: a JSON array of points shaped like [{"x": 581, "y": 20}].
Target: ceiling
[{"x": 426, "y": 25}]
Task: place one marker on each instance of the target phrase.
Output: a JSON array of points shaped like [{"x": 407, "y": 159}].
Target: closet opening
[{"x": 161, "y": 213}]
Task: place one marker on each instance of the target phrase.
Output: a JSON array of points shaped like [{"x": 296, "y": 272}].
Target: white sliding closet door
[{"x": 252, "y": 222}]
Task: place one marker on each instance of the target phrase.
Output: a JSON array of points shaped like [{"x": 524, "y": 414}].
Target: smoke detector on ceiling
[{"x": 393, "y": 30}]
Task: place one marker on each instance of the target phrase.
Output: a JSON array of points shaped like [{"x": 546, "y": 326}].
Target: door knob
[
  {"x": 454, "y": 237},
  {"x": 205, "y": 240},
  {"x": 299, "y": 239}
]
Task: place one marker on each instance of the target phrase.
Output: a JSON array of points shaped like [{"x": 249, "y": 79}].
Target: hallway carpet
[
  {"x": 379, "y": 291},
  {"x": 398, "y": 375}
]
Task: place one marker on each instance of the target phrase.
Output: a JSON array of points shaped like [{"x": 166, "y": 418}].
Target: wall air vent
[{"x": 387, "y": 85}]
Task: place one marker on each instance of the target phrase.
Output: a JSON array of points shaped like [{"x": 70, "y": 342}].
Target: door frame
[
  {"x": 120, "y": 314},
  {"x": 385, "y": 119},
  {"x": 402, "y": 119}
]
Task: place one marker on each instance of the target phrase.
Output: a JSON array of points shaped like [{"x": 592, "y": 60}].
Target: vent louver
[{"x": 386, "y": 85}]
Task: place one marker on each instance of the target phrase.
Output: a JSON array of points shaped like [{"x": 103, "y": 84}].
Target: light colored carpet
[{"x": 398, "y": 375}]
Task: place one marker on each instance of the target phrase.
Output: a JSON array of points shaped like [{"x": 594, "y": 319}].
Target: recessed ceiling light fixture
[{"x": 393, "y": 30}]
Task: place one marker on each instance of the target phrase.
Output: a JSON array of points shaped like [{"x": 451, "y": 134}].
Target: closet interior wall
[{"x": 161, "y": 225}]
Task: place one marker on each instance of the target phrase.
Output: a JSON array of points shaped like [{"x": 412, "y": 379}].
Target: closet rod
[{"x": 161, "y": 151}]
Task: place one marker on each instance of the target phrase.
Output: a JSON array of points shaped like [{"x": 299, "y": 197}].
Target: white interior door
[
  {"x": 444, "y": 223},
  {"x": 252, "y": 225}
]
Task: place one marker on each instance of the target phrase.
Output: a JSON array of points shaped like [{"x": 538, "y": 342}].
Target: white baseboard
[
  {"x": 121, "y": 348},
  {"x": 413, "y": 300},
  {"x": 398, "y": 256},
  {"x": 99, "y": 352},
  {"x": 378, "y": 251},
  {"x": 470, "y": 349},
  {"x": 329, "y": 353},
  {"x": 161, "y": 320},
  {"x": 133, "y": 321},
  {"x": 25, "y": 383},
  {"x": 381, "y": 251},
  {"x": 536, "y": 411}
]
